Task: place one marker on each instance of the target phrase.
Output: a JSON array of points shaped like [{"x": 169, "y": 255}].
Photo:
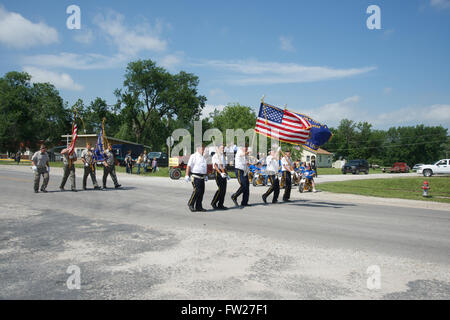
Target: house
[{"x": 323, "y": 157}]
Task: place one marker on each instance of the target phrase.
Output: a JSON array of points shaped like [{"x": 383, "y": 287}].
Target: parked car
[
  {"x": 356, "y": 166},
  {"x": 440, "y": 167},
  {"x": 417, "y": 166},
  {"x": 54, "y": 153},
  {"x": 398, "y": 167}
]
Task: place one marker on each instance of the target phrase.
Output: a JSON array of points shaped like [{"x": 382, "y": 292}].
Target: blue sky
[{"x": 317, "y": 57}]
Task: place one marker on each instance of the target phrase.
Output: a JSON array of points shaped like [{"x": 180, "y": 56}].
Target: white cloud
[
  {"x": 84, "y": 36},
  {"x": 387, "y": 90},
  {"x": 286, "y": 44},
  {"x": 440, "y": 4},
  {"x": 437, "y": 114},
  {"x": 130, "y": 41},
  {"x": 18, "y": 32},
  {"x": 332, "y": 113},
  {"x": 209, "y": 108},
  {"x": 69, "y": 60},
  {"x": 170, "y": 61},
  {"x": 59, "y": 80},
  {"x": 255, "y": 72}
]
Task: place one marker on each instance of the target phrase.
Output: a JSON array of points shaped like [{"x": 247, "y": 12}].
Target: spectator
[
  {"x": 140, "y": 163},
  {"x": 154, "y": 165},
  {"x": 129, "y": 162},
  {"x": 18, "y": 155},
  {"x": 145, "y": 161}
]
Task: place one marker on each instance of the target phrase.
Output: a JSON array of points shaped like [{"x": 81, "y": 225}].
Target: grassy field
[
  {"x": 404, "y": 188},
  {"x": 325, "y": 171}
]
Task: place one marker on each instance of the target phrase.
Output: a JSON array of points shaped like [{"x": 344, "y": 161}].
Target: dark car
[
  {"x": 356, "y": 166},
  {"x": 161, "y": 158}
]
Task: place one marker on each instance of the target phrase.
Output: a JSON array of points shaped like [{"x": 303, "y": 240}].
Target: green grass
[
  {"x": 403, "y": 188},
  {"x": 326, "y": 171}
]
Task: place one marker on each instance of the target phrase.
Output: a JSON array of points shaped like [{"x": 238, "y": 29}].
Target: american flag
[
  {"x": 282, "y": 124},
  {"x": 74, "y": 138}
]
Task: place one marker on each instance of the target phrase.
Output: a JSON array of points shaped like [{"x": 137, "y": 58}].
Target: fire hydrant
[{"x": 425, "y": 188}]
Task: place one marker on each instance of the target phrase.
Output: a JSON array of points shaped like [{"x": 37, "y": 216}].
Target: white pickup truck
[{"x": 440, "y": 167}]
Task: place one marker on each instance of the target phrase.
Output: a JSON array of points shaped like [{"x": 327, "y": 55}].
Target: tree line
[{"x": 153, "y": 102}]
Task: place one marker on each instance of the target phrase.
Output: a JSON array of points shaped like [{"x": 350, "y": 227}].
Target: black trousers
[
  {"x": 244, "y": 188},
  {"x": 110, "y": 170},
  {"x": 274, "y": 187},
  {"x": 88, "y": 171},
  {"x": 197, "y": 195},
  {"x": 219, "y": 196},
  {"x": 288, "y": 185}
]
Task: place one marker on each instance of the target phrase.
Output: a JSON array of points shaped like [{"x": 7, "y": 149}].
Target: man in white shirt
[
  {"x": 219, "y": 167},
  {"x": 241, "y": 170},
  {"x": 197, "y": 168},
  {"x": 287, "y": 169},
  {"x": 272, "y": 171},
  {"x": 40, "y": 167}
]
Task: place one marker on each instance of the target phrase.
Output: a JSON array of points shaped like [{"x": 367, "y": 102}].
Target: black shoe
[
  {"x": 43, "y": 190},
  {"x": 215, "y": 207},
  {"x": 246, "y": 205},
  {"x": 36, "y": 191},
  {"x": 74, "y": 190},
  {"x": 274, "y": 201},
  {"x": 287, "y": 200},
  {"x": 104, "y": 187},
  {"x": 84, "y": 188},
  {"x": 192, "y": 208},
  {"x": 118, "y": 186},
  {"x": 96, "y": 188},
  {"x": 235, "y": 201},
  {"x": 222, "y": 208},
  {"x": 201, "y": 210},
  {"x": 264, "y": 199},
  {"x": 62, "y": 189}
]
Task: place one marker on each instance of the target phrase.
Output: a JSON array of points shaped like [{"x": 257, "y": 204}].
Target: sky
[{"x": 315, "y": 57}]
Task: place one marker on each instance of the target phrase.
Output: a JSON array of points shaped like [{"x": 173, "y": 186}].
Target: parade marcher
[
  {"x": 241, "y": 170},
  {"x": 110, "y": 168},
  {"x": 196, "y": 171},
  {"x": 219, "y": 166},
  {"x": 89, "y": 166},
  {"x": 287, "y": 169},
  {"x": 69, "y": 169},
  {"x": 272, "y": 170},
  {"x": 41, "y": 166},
  {"x": 129, "y": 162}
]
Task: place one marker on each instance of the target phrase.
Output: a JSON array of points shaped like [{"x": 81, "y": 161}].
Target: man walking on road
[
  {"x": 110, "y": 168},
  {"x": 89, "y": 166},
  {"x": 287, "y": 169},
  {"x": 41, "y": 166},
  {"x": 197, "y": 168},
  {"x": 272, "y": 171},
  {"x": 69, "y": 169},
  {"x": 219, "y": 164},
  {"x": 241, "y": 169}
]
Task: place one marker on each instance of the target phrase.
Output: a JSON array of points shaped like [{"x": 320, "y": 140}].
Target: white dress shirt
[
  {"x": 272, "y": 165},
  {"x": 241, "y": 160},
  {"x": 197, "y": 162},
  {"x": 219, "y": 160},
  {"x": 286, "y": 164}
]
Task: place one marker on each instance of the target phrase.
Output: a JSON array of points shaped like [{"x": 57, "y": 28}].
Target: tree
[{"x": 152, "y": 96}]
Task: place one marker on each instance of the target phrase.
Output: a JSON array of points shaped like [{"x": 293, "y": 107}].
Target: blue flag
[
  {"x": 320, "y": 134},
  {"x": 99, "y": 152}
]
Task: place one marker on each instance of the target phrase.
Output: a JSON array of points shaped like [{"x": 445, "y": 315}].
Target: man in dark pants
[
  {"x": 288, "y": 170},
  {"x": 69, "y": 169},
  {"x": 218, "y": 162},
  {"x": 272, "y": 170},
  {"x": 89, "y": 166},
  {"x": 241, "y": 170},
  {"x": 196, "y": 168},
  {"x": 110, "y": 168}
]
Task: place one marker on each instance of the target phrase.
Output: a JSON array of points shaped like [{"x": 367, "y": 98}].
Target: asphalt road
[{"x": 141, "y": 242}]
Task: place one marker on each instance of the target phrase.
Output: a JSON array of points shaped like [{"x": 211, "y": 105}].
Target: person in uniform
[
  {"x": 287, "y": 169},
  {"x": 89, "y": 166},
  {"x": 197, "y": 169},
  {"x": 40, "y": 166},
  {"x": 69, "y": 169},
  {"x": 241, "y": 170},
  {"x": 272, "y": 170},
  {"x": 219, "y": 165},
  {"x": 110, "y": 168}
]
